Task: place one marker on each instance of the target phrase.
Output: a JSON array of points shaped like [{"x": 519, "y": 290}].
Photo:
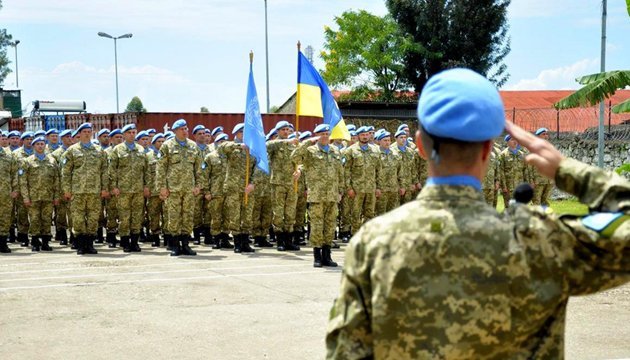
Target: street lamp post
[
  {"x": 126, "y": 36},
  {"x": 267, "y": 54},
  {"x": 17, "y": 79}
]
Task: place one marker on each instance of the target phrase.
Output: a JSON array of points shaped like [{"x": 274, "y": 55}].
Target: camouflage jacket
[
  {"x": 128, "y": 168},
  {"x": 362, "y": 168},
  {"x": 409, "y": 175},
  {"x": 390, "y": 175},
  {"x": 152, "y": 160},
  {"x": 512, "y": 169},
  {"x": 39, "y": 179},
  {"x": 179, "y": 166},
  {"x": 236, "y": 157},
  {"x": 281, "y": 167},
  {"x": 8, "y": 169},
  {"x": 323, "y": 170},
  {"x": 492, "y": 175},
  {"x": 447, "y": 277},
  {"x": 84, "y": 170},
  {"x": 262, "y": 183},
  {"x": 214, "y": 169}
]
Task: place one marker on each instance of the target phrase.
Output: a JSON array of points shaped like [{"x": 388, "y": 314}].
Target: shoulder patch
[
  {"x": 20, "y": 172},
  {"x": 604, "y": 223},
  {"x": 203, "y": 165}
]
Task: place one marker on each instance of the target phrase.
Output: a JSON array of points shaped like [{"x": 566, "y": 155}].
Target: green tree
[
  {"x": 5, "y": 41},
  {"x": 135, "y": 105},
  {"x": 367, "y": 52},
  {"x": 453, "y": 33},
  {"x": 204, "y": 110},
  {"x": 274, "y": 109}
]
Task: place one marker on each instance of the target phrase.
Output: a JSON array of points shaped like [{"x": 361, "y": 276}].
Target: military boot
[
  {"x": 99, "y": 236},
  {"x": 168, "y": 241},
  {"x": 134, "y": 243},
  {"x": 280, "y": 240},
  {"x": 79, "y": 244},
  {"x": 4, "y": 248},
  {"x": 89, "y": 245},
  {"x": 23, "y": 239},
  {"x": 245, "y": 247},
  {"x": 174, "y": 245},
  {"x": 45, "y": 240},
  {"x": 272, "y": 235},
  {"x": 302, "y": 237},
  {"x": 73, "y": 242},
  {"x": 317, "y": 257},
  {"x": 12, "y": 238},
  {"x": 58, "y": 234},
  {"x": 225, "y": 242},
  {"x": 111, "y": 240},
  {"x": 63, "y": 237},
  {"x": 143, "y": 235},
  {"x": 237, "y": 244},
  {"x": 197, "y": 236},
  {"x": 207, "y": 237},
  {"x": 186, "y": 250},
  {"x": 155, "y": 240},
  {"x": 261, "y": 241},
  {"x": 35, "y": 243},
  {"x": 291, "y": 241},
  {"x": 326, "y": 259},
  {"x": 125, "y": 243}
]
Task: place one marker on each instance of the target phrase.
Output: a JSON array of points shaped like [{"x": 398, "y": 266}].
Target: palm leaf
[
  {"x": 628, "y": 3},
  {"x": 624, "y": 107},
  {"x": 597, "y": 87}
]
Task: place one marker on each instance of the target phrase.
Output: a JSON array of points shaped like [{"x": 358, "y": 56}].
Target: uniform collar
[
  {"x": 28, "y": 151},
  {"x": 456, "y": 180},
  {"x": 41, "y": 156}
]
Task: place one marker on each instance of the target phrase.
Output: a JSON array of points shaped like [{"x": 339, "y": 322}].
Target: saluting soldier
[
  {"x": 8, "y": 192},
  {"x": 390, "y": 175},
  {"x": 214, "y": 175},
  {"x": 179, "y": 179},
  {"x": 102, "y": 136},
  {"x": 324, "y": 180},
  {"x": 301, "y": 203},
  {"x": 542, "y": 185},
  {"x": 128, "y": 167},
  {"x": 512, "y": 168},
  {"x": 262, "y": 210},
  {"x": 63, "y": 220},
  {"x": 84, "y": 180},
  {"x": 39, "y": 186},
  {"x": 345, "y": 206}
]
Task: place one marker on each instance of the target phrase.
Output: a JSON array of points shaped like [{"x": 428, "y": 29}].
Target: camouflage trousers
[
  {"x": 200, "y": 206},
  {"x": 112, "y": 214},
  {"x": 154, "y": 209},
  {"x": 323, "y": 217},
  {"x": 102, "y": 219},
  {"x": 490, "y": 195},
  {"x": 21, "y": 216},
  {"x": 284, "y": 202},
  {"x": 261, "y": 215},
  {"x": 542, "y": 192},
  {"x": 362, "y": 209},
  {"x": 238, "y": 215},
  {"x": 403, "y": 199},
  {"x": 6, "y": 213},
  {"x": 131, "y": 213},
  {"x": 40, "y": 214},
  {"x": 62, "y": 221},
  {"x": 216, "y": 209},
  {"x": 345, "y": 213},
  {"x": 179, "y": 211},
  {"x": 84, "y": 211},
  {"x": 388, "y": 201},
  {"x": 300, "y": 212}
]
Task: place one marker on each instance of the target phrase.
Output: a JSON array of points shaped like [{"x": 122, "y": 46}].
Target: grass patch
[{"x": 562, "y": 207}]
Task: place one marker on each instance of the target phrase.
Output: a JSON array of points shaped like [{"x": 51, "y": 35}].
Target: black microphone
[{"x": 524, "y": 193}]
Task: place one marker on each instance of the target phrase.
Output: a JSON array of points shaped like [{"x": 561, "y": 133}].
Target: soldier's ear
[
  {"x": 486, "y": 150},
  {"x": 421, "y": 150}
]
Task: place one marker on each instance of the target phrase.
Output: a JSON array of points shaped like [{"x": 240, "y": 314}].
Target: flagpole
[
  {"x": 297, "y": 114},
  {"x": 251, "y": 61}
]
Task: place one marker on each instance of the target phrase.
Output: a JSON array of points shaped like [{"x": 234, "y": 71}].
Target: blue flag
[{"x": 253, "y": 132}]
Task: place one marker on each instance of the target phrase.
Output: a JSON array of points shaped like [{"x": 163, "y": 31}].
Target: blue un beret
[
  {"x": 541, "y": 131},
  {"x": 321, "y": 128},
  {"x": 115, "y": 132},
  {"x": 75, "y": 133},
  {"x": 216, "y": 130},
  {"x": 128, "y": 127},
  {"x": 13, "y": 133},
  {"x": 179, "y": 124},
  {"x": 462, "y": 105},
  {"x": 66, "y": 132},
  {"x": 102, "y": 132},
  {"x": 383, "y": 135},
  {"x": 370, "y": 128},
  {"x": 362, "y": 129},
  {"x": 237, "y": 128},
  {"x": 198, "y": 128},
  {"x": 221, "y": 137},
  {"x": 151, "y": 131},
  {"x": 291, "y": 136},
  {"x": 378, "y": 133},
  {"x": 52, "y": 131},
  {"x": 39, "y": 133},
  {"x": 83, "y": 126},
  {"x": 27, "y": 134},
  {"x": 306, "y": 134},
  {"x": 507, "y": 138},
  {"x": 400, "y": 132},
  {"x": 353, "y": 133},
  {"x": 4, "y": 133},
  {"x": 351, "y": 127},
  {"x": 402, "y": 127},
  {"x": 282, "y": 124},
  {"x": 141, "y": 135},
  {"x": 156, "y": 137},
  {"x": 38, "y": 139}
]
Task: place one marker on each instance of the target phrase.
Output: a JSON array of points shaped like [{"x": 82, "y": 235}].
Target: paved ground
[{"x": 218, "y": 305}]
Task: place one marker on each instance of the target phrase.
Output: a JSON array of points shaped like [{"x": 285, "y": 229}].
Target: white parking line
[{"x": 210, "y": 277}]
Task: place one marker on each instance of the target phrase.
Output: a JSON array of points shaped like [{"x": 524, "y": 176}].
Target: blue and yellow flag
[
  {"x": 253, "y": 132},
  {"x": 315, "y": 99}
]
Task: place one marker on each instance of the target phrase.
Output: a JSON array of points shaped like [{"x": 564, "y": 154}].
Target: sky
[{"x": 191, "y": 53}]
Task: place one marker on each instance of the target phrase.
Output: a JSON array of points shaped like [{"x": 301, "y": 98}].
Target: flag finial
[
  {"x": 251, "y": 57},
  {"x": 299, "y": 45}
]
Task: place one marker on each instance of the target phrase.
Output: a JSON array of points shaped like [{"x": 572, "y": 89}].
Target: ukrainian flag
[{"x": 315, "y": 99}]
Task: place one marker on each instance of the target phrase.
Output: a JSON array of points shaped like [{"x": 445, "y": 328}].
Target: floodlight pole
[
  {"x": 115, "y": 38},
  {"x": 600, "y": 133}
]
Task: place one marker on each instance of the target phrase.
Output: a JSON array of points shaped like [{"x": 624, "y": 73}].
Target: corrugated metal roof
[{"x": 539, "y": 99}]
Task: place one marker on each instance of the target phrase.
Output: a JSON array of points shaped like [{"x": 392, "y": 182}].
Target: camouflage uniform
[
  {"x": 111, "y": 208},
  {"x": 21, "y": 214},
  {"x": 408, "y": 176},
  {"x": 214, "y": 173},
  {"x": 324, "y": 181},
  {"x": 448, "y": 277},
  {"x": 345, "y": 206},
  {"x": 84, "y": 175},
  {"x": 542, "y": 189},
  {"x": 362, "y": 172},
  {"x": 237, "y": 214},
  {"x": 391, "y": 171},
  {"x": 492, "y": 176},
  {"x": 262, "y": 211},
  {"x": 300, "y": 205},
  {"x": 282, "y": 185},
  {"x": 39, "y": 184},
  {"x": 8, "y": 184},
  {"x": 512, "y": 171},
  {"x": 179, "y": 171},
  {"x": 200, "y": 203},
  {"x": 128, "y": 171},
  {"x": 62, "y": 211},
  {"x": 154, "y": 206}
]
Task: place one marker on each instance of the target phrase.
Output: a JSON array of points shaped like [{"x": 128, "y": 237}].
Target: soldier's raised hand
[{"x": 543, "y": 155}]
